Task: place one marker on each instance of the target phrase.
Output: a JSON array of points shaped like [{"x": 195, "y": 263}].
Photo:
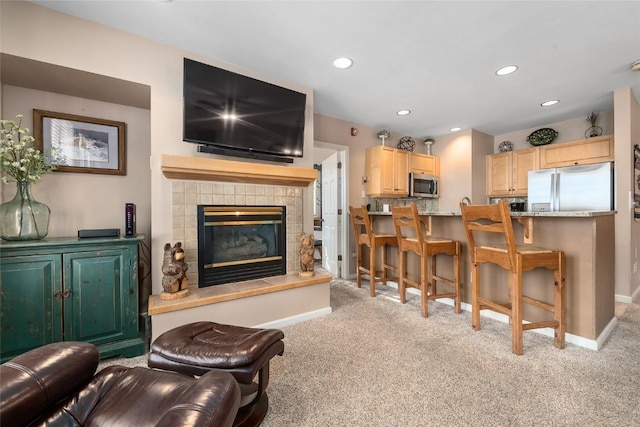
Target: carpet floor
[{"x": 376, "y": 362}]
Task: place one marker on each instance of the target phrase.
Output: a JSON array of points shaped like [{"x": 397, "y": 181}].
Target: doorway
[{"x": 332, "y": 198}]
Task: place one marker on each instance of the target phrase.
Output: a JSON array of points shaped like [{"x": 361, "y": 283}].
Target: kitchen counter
[
  {"x": 588, "y": 241},
  {"x": 561, "y": 214}
]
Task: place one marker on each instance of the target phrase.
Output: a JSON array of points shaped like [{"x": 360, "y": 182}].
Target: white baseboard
[
  {"x": 569, "y": 338},
  {"x": 292, "y": 320},
  {"x": 628, "y": 299}
]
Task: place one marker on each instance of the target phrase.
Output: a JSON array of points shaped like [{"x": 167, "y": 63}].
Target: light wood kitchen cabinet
[
  {"x": 387, "y": 172},
  {"x": 424, "y": 163},
  {"x": 582, "y": 152},
  {"x": 507, "y": 173}
]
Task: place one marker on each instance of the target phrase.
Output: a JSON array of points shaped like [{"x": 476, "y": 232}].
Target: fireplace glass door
[{"x": 237, "y": 243}]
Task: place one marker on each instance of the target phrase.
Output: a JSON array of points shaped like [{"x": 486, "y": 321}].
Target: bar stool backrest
[
  {"x": 408, "y": 228},
  {"x": 490, "y": 218},
  {"x": 361, "y": 223}
]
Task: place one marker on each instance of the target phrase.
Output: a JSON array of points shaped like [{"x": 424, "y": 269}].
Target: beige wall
[{"x": 627, "y": 132}]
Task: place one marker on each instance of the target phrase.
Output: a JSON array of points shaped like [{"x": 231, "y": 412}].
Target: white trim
[
  {"x": 344, "y": 192},
  {"x": 626, "y": 299},
  {"x": 292, "y": 320},
  {"x": 569, "y": 338}
]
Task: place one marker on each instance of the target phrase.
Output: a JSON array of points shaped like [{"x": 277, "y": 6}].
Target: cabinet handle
[{"x": 62, "y": 294}]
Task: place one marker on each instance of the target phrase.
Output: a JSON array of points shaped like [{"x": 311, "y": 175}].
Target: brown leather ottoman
[{"x": 199, "y": 347}]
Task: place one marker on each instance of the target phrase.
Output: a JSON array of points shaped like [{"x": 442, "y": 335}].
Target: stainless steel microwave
[{"x": 422, "y": 185}]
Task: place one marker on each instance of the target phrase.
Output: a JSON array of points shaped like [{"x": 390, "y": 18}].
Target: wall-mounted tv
[{"x": 231, "y": 114}]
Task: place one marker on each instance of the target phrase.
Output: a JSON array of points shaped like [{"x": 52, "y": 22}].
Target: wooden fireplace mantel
[{"x": 198, "y": 168}]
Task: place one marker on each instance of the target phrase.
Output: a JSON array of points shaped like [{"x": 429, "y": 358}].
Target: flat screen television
[{"x": 231, "y": 114}]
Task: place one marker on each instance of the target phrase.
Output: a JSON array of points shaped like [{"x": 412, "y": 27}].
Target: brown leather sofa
[{"x": 57, "y": 384}]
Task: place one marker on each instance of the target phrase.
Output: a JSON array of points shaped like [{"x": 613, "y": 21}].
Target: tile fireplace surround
[{"x": 186, "y": 195}]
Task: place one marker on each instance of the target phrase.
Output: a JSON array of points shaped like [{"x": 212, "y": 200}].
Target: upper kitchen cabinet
[
  {"x": 582, "y": 152},
  {"x": 507, "y": 173},
  {"x": 387, "y": 172},
  {"x": 424, "y": 163}
]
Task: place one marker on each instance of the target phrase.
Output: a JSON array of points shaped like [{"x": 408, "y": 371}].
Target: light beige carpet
[{"x": 375, "y": 362}]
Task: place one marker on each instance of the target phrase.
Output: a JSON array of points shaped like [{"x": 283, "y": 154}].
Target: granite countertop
[{"x": 565, "y": 214}]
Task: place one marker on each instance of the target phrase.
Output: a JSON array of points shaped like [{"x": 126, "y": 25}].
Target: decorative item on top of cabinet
[
  {"x": 384, "y": 134},
  {"x": 406, "y": 143},
  {"x": 542, "y": 136},
  {"x": 505, "y": 146},
  {"x": 428, "y": 142},
  {"x": 507, "y": 173},
  {"x": 594, "y": 130},
  {"x": 598, "y": 149}
]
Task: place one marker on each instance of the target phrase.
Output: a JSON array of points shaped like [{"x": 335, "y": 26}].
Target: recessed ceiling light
[
  {"x": 507, "y": 70},
  {"x": 549, "y": 103},
  {"x": 403, "y": 112},
  {"x": 456, "y": 129},
  {"x": 343, "y": 63},
  {"x": 635, "y": 66}
]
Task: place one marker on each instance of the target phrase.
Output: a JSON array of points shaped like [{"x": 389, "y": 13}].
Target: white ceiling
[{"x": 436, "y": 58}]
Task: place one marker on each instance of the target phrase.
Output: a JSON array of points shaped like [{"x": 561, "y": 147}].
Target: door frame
[{"x": 344, "y": 223}]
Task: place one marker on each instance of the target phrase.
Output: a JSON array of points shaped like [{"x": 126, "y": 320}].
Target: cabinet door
[
  {"x": 523, "y": 161},
  {"x": 99, "y": 283},
  {"x": 423, "y": 163},
  {"x": 499, "y": 170},
  {"x": 582, "y": 152},
  {"x": 388, "y": 170},
  {"x": 31, "y": 315}
]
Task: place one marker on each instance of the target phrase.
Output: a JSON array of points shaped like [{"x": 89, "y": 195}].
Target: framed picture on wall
[{"x": 81, "y": 144}]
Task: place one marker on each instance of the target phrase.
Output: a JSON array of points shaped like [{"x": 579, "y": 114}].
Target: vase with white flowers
[{"x": 22, "y": 218}]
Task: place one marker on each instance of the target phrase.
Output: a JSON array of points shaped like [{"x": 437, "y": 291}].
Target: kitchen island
[{"x": 588, "y": 241}]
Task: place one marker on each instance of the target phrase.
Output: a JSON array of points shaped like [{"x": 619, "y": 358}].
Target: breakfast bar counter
[{"x": 588, "y": 241}]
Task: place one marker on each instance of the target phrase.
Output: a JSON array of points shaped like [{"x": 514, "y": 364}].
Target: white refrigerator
[{"x": 572, "y": 188}]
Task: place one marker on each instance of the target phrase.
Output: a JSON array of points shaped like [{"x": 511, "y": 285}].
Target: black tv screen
[{"x": 241, "y": 114}]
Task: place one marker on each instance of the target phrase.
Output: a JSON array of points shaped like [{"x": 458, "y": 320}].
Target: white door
[{"x": 330, "y": 206}]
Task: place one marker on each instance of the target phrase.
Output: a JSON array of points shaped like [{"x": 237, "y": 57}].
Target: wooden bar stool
[
  {"x": 495, "y": 219},
  {"x": 411, "y": 238},
  {"x": 364, "y": 235}
]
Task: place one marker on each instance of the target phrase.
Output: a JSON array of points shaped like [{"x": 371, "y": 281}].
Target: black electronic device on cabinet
[{"x": 130, "y": 220}]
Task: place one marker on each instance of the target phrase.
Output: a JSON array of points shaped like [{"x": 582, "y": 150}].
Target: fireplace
[{"x": 237, "y": 243}]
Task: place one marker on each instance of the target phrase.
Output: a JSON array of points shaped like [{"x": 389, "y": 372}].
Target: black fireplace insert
[{"x": 237, "y": 243}]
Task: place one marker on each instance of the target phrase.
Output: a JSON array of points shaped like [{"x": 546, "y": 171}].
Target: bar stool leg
[
  {"x": 358, "y": 264},
  {"x": 558, "y": 308},
  {"x": 372, "y": 269},
  {"x": 402, "y": 259},
  {"x": 425, "y": 280},
  {"x": 456, "y": 279},
  {"x": 475, "y": 297},
  {"x": 516, "y": 310}
]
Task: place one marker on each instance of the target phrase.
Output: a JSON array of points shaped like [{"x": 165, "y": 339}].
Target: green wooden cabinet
[{"x": 70, "y": 289}]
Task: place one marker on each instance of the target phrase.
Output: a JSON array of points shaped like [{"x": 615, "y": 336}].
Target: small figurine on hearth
[
  {"x": 306, "y": 255},
  {"x": 174, "y": 272}
]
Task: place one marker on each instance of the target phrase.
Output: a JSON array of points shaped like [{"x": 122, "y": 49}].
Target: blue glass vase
[{"x": 24, "y": 218}]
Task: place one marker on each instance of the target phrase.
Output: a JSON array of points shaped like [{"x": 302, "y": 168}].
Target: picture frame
[{"x": 81, "y": 144}]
